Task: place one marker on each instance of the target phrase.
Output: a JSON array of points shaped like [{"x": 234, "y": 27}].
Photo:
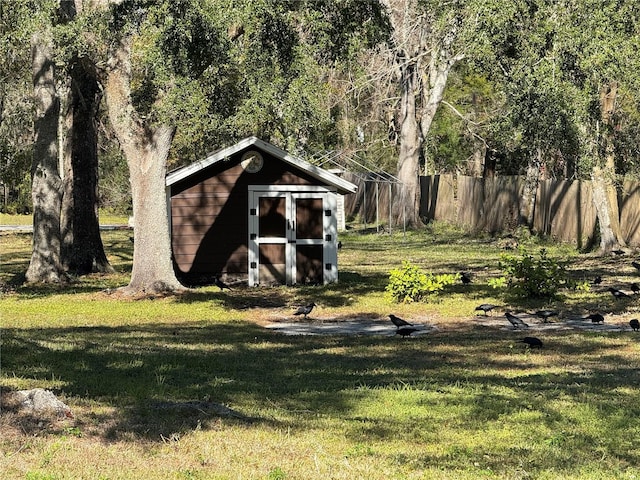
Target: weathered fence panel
[
  {"x": 629, "y": 205},
  {"x": 564, "y": 209},
  {"x": 488, "y": 204},
  {"x": 438, "y": 198},
  {"x": 371, "y": 201}
]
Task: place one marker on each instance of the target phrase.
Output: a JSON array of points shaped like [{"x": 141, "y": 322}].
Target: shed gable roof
[{"x": 328, "y": 178}]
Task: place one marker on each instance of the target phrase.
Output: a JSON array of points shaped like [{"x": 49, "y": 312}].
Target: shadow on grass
[
  {"x": 351, "y": 286},
  {"x": 164, "y": 380}
]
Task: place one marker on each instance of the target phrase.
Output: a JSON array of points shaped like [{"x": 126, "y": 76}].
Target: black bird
[
  {"x": 405, "y": 331},
  {"x": 485, "y": 307},
  {"x": 305, "y": 310},
  {"x": 634, "y": 324},
  {"x": 220, "y": 284},
  {"x": 546, "y": 314},
  {"x": 618, "y": 294},
  {"x": 532, "y": 342},
  {"x": 465, "y": 278},
  {"x": 398, "y": 322},
  {"x": 636, "y": 265},
  {"x": 515, "y": 321},
  {"x": 339, "y": 244},
  {"x": 597, "y": 280},
  {"x": 595, "y": 318},
  {"x": 618, "y": 252}
]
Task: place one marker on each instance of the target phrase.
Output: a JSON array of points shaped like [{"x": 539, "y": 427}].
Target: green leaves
[
  {"x": 410, "y": 284},
  {"x": 529, "y": 276}
]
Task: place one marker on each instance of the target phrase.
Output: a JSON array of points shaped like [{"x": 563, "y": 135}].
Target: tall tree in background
[
  {"x": 16, "y": 105},
  {"x": 82, "y": 250},
  {"x": 424, "y": 47},
  {"x": 599, "y": 57}
]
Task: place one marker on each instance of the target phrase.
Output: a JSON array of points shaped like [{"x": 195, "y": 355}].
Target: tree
[
  {"x": 423, "y": 50},
  {"x": 16, "y": 106},
  {"x": 598, "y": 55},
  {"x": 82, "y": 250},
  {"x": 45, "y": 264},
  {"x": 64, "y": 180},
  {"x": 170, "y": 62}
]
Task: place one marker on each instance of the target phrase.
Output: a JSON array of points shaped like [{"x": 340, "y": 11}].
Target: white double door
[{"x": 292, "y": 235}]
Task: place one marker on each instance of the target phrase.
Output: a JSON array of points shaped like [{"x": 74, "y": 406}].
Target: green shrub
[
  {"x": 410, "y": 284},
  {"x": 528, "y": 276}
]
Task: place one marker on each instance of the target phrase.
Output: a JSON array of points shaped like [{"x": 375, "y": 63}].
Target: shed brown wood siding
[{"x": 209, "y": 223}]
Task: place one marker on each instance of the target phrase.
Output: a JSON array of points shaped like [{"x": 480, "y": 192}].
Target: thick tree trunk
[
  {"x": 407, "y": 204},
  {"x": 146, "y": 149},
  {"x": 606, "y": 211},
  {"x": 421, "y": 91},
  {"x": 603, "y": 175},
  {"x": 46, "y": 187},
  {"x": 82, "y": 248}
]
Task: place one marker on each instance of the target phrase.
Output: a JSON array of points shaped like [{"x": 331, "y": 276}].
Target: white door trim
[{"x": 291, "y": 193}]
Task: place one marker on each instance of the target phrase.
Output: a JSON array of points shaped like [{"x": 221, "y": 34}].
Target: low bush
[
  {"x": 410, "y": 284},
  {"x": 529, "y": 276}
]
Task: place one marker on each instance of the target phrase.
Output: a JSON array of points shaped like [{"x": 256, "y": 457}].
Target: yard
[{"x": 195, "y": 386}]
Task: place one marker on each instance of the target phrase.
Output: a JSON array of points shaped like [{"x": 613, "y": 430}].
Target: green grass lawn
[{"x": 145, "y": 377}]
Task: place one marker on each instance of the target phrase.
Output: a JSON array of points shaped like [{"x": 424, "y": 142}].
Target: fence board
[
  {"x": 629, "y": 205},
  {"x": 564, "y": 209}
]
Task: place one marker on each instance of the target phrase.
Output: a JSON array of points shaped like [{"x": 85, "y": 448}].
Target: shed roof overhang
[{"x": 340, "y": 184}]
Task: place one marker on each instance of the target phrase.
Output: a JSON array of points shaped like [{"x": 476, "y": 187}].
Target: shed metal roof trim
[{"x": 342, "y": 185}]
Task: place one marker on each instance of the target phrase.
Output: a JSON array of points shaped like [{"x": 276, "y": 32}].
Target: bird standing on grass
[
  {"x": 485, "y": 307},
  {"x": 634, "y": 324},
  {"x": 597, "y": 280},
  {"x": 305, "y": 309},
  {"x": 635, "y": 288},
  {"x": 595, "y": 318},
  {"x": 532, "y": 342},
  {"x": 546, "y": 314},
  {"x": 405, "y": 331},
  {"x": 398, "y": 322},
  {"x": 636, "y": 265},
  {"x": 515, "y": 321},
  {"x": 617, "y": 293},
  {"x": 465, "y": 278}
]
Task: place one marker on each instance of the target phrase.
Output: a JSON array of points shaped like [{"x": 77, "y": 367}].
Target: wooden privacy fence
[{"x": 564, "y": 209}]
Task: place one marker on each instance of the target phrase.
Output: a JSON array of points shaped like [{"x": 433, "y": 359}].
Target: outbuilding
[{"x": 252, "y": 212}]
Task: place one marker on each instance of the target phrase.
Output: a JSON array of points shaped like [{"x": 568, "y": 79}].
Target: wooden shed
[{"x": 255, "y": 213}]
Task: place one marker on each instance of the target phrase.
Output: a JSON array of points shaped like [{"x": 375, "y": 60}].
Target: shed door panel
[
  {"x": 272, "y": 217},
  {"x": 308, "y": 239},
  {"x": 272, "y": 239},
  {"x": 309, "y": 264},
  {"x": 292, "y": 237}
]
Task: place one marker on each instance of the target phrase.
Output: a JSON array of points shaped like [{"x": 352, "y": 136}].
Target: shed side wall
[{"x": 209, "y": 216}]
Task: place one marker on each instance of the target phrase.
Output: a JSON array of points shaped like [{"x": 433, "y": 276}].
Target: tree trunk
[
  {"x": 530, "y": 190},
  {"x": 603, "y": 175},
  {"x": 146, "y": 149},
  {"x": 46, "y": 187},
  {"x": 82, "y": 248},
  {"x": 440, "y": 66},
  {"x": 407, "y": 204}
]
